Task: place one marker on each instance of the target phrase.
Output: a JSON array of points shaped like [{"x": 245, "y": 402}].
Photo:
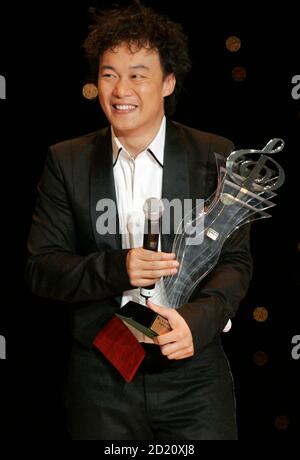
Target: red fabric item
[{"x": 120, "y": 347}]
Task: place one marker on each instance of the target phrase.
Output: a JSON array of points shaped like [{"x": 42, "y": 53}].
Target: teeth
[{"x": 125, "y": 107}]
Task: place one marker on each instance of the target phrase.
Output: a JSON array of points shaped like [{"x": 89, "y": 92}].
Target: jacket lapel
[
  {"x": 175, "y": 176},
  {"x": 102, "y": 187}
]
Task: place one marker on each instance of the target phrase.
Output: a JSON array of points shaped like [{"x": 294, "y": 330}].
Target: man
[{"x": 183, "y": 389}]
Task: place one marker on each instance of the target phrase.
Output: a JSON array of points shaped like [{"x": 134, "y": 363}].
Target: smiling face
[{"x": 131, "y": 89}]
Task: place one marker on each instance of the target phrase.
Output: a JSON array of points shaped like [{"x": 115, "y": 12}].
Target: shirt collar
[{"x": 155, "y": 148}]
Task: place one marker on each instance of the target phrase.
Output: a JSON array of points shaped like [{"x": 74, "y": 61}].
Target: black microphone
[
  {"x": 153, "y": 210},
  {"x": 137, "y": 315}
]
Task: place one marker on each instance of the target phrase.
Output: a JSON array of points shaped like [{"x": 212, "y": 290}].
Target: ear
[{"x": 169, "y": 84}]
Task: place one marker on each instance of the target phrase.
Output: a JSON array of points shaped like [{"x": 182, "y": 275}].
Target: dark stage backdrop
[{"x": 42, "y": 65}]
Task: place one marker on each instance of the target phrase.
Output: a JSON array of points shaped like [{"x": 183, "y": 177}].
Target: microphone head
[{"x": 153, "y": 208}]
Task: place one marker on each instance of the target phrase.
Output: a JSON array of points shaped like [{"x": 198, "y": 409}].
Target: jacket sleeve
[{"x": 54, "y": 269}]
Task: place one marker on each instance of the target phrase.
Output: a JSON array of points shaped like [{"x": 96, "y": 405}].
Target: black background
[{"x": 41, "y": 59}]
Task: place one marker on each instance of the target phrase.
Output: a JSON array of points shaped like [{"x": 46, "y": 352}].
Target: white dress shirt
[{"x": 136, "y": 180}]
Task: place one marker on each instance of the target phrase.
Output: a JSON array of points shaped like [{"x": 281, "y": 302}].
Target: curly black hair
[{"x": 140, "y": 27}]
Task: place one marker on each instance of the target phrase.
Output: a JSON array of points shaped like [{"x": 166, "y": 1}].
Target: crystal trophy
[{"x": 246, "y": 183}]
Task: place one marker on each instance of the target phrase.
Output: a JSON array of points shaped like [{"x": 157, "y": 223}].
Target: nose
[{"x": 122, "y": 88}]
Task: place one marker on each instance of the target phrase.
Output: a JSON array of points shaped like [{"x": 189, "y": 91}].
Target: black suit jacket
[{"x": 69, "y": 261}]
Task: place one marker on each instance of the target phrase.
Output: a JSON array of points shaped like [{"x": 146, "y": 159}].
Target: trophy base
[{"x": 144, "y": 319}]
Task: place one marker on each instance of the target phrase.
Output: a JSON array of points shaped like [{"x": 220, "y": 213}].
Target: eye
[
  {"x": 107, "y": 75},
  {"x": 137, "y": 76}
]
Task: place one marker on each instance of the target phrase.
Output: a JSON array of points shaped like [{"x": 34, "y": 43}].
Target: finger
[
  {"x": 159, "y": 264},
  {"x": 159, "y": 273},
  {"x": 149, "y": 340},
  {"x": 172, "y": 347},
  {"x": 168, "y": 337},
  {"x": 155, "y": 340},
  {"x": 182, "y": 352},
  {"x": 180, "y": 355},
  {"x": 168, "y": 255},
  {"x": 169, "y": 348},
  {"x": 164, "y": 311},
  {"x": 146, "y": 254},
  {"x": 153, "y": 274},
  {"x": 174, "y": 350}
]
